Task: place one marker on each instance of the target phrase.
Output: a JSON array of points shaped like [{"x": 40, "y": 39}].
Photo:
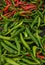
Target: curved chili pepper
[
  {"x": 18, "y": 4},
  {"x": 6, "y": 8},
  {"x": 25, "y": 12},
  {"x": 40, "y": 56},
  {"x": 29, "y": 7},
  {"x": 8, "y": 2},
  {"x": 21, "y": 3},
  {"x": 11, "y": 14},
  {"x": 7, "y": 14}
]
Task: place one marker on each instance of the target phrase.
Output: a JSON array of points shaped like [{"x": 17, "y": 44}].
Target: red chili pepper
[
  {"x": 16, "y": 5},
  {"x": 29, "y": 7},
  {"x": 16, "y": 1},
  {"x": 11, "y": 14},
  {"x": 6, "y": 8},
  {"x": 8, "y": 2},
  {"x": 19, "y": 3},
  {"x": 7, "y": 14},
  {"x": 40, "y": 56}
]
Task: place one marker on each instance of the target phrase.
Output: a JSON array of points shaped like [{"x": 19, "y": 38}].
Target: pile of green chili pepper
[{"x": 21, "y": 38}]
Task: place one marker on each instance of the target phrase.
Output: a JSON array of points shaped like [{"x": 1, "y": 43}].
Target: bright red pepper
[
  {"x": 6, "y": 8},
  {"x": 8, "y": 2},
  {"x": 31, "y": 6},
  {"x": 40, "y": 56},
  {"x": 18, "y": 3}
]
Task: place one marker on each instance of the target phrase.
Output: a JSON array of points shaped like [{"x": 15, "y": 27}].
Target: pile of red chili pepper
[{"x": 22, "y": 32}]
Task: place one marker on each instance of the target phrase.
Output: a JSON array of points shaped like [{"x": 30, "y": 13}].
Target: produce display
[{"x": 22, "y": 32}]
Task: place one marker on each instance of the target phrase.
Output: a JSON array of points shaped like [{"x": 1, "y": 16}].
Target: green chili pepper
[
  {"x": 6, "y": 27},
  {"x": 17, "y": 59},
  {"x": 7, "y": 48},
  {"x": 34, "y": 50},
  {"x": 39, "y": 21},
  {"x": 13, "y": 33},
  {"x": 17, "y": 32},
  {"x": 35, "y": 21},
  {"x": 13, "y": 24},
  {"x": 32, "y": 37},
  {"x": 25, "y": 34},
  {"x": 10, "y": 44},
  {"x": 24, "y": 43},
  {"x": 35, "y": 59},
  {"x": 11, "y": 61},
  {"x": 5, "y": 19},
  {"x": 14, "y": 28},
  {"x": 19, "y": 35},
  {"x": 6, "y": 38},
  {"x": 18, "y": 45},
  {"x": 22, "y": 63},
  {"x": 39, "y": 40},
  {"x": 40, "y": 14},
  {"x": 29, "y": 62}
]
